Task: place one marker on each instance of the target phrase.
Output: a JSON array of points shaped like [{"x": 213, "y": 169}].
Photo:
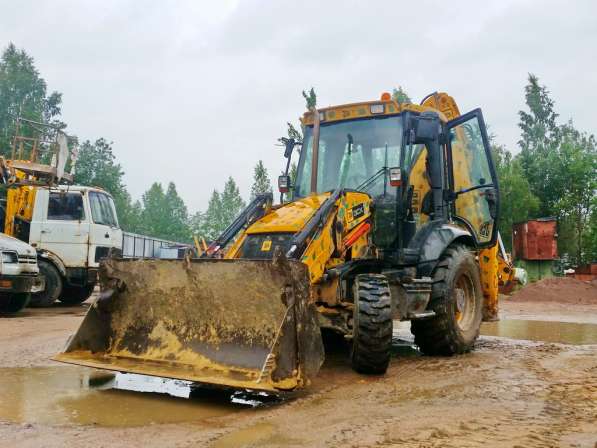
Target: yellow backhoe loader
[{"x": 392, "y": 216}]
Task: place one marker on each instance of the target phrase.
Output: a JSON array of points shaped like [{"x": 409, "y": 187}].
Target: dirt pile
[{"x": 560, "y": 290}]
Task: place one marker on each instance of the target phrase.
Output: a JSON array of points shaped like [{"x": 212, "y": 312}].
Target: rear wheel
[
  {"x": 372, "y": 324},
  {"x": 73, "y": 295},
  {"x": 13, "y": 303},
  {"x": 53, "y": 285},
  {"x": 457, "y": 301}
]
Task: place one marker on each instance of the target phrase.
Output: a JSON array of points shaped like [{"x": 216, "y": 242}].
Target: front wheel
[
  {"x": 372, "y": 324},
  {"x": 457, "y": 301},
  {"x": 13, "y": 303},
  {"x": 53, "y": 288},
  {"x": 73, "y": 295}
]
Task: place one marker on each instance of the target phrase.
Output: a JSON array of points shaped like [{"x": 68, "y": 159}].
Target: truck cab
[
  {"x": 19, "y": 274},
  {"x": 72, "y": 229}
]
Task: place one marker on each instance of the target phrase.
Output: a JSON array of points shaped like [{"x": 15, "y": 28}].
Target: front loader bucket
[{"x": 243, "y": 324}]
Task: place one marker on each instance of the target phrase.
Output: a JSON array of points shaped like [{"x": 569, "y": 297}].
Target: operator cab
[{"x": 416, "y": 164}]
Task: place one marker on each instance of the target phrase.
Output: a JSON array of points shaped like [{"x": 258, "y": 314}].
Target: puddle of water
[
  {"x": 65, "y": 395},
  {"x": 542, "y": 331}
]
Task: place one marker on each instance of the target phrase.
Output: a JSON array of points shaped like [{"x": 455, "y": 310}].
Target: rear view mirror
[{"x": 289, "y": 144}]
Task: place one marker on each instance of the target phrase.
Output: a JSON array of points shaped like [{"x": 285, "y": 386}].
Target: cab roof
[
  {"x": 80, "y": 188},
  {"x": 365, "y": 109}
]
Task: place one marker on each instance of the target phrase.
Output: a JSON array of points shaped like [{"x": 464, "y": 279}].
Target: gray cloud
[{"x": 197, "y": 91}]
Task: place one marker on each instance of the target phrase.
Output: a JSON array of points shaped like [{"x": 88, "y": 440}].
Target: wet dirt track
[{"x": 507, "y": 393}]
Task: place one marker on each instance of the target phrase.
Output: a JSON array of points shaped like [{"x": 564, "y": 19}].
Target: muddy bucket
[{"x": 243, "y": 324}]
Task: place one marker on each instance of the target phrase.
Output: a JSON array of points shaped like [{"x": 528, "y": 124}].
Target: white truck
[
  {"x": 72, "y": 228},
  {"x": 19, "y": 274}
]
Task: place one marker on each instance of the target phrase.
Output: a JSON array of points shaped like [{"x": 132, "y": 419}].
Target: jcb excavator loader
[{"x": 392, "y": 216}]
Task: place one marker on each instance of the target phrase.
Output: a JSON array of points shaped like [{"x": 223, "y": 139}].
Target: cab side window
[{"x": 66, "y": 207}]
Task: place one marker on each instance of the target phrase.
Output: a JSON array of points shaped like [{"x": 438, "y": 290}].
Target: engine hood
[
  {"x": 289, "y": 218},
  {"x": 13, "y": 244}
]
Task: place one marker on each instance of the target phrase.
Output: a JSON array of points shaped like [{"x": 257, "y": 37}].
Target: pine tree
[
  {"x": 232, "y": 202},
  {"x": 176, "y": 210},
  {"x": 154, "y": 218},
  {"x": 222, "y": 209},
  {"x": 261, "y": 181},
  {"x": 165, "y": 214},
  {"x": 208, "y": 224}
]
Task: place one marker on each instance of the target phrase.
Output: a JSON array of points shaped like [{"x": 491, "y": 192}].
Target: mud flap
[{"x": 243, "y": 324}]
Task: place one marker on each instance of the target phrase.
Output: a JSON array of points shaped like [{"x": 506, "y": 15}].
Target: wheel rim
[{"x": 464, "y": 297}]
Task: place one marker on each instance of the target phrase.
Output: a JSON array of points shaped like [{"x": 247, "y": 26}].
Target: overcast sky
[{"x": 193, "y": 92}]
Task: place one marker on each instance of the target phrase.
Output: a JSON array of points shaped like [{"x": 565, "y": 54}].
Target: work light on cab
[
  {"x": 377, "y": 108},
  {"x": 283, "y": 183},
  {"x": 395, "y": 176}
]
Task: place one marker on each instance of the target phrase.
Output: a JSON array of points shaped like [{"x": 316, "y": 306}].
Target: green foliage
[
  {"x": 560, "y": 164},
  {"x": 96, "y": 167},
  {"x": 232, "y": 202},
  {"x": 261, "y": 181},
  {"x": 223, "y": 208},
  {"x": 517, "y": 202},
  {"x": 310, "y": 98},
  {"x": 164, "y": 213},
  {"x": 400, "y": 96},
  {"x": 575, "y": 165},
  {"x": 153, "y": 218},
  {"x": 177, "y": 213},
  {"x": 292, "y": 172},
  {"x": 590, "y": 240},
  {"x": 539, "y": 139},
  {"x": 209, "y": 224},
  {"x": 23, "y": 92},
  {"x": 294, "y": 133}
]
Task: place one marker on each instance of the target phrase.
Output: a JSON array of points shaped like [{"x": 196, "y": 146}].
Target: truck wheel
[
  {"x": 372, "y": 324},
  {"x": 13, "y": 303},
  {"x": 53, "y": 285},
  {"x": 457, "y": 301},
  {"x": 73, "y": 295}
]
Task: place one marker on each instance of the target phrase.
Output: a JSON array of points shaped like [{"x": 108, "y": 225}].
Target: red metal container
[
  {"x": 535, "y": 240},
  {"x": 586, "y": 272}
]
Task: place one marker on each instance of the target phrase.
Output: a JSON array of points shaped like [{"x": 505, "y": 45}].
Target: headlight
[{"x": 10, "y": 257}]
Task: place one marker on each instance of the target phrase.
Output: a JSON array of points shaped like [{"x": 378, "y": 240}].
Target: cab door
[
  {"x": 472, "y": 177},
  {"x": 104, "y": 232},
  {"x": 64, "y": 226}
]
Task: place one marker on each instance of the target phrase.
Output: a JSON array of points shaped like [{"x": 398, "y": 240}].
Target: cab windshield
[
  {"x": 352, "y": 155},
  {"x": 102, "y": 209}
]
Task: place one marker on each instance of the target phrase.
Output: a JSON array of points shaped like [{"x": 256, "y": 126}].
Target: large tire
[
  {"x": 457, "y": 301},
  {"x": 13, "y": 303},
  {"x": 73, "y": 295},
  {"x": 372, "y": 324},
  {"x": 53, "y": 288}
]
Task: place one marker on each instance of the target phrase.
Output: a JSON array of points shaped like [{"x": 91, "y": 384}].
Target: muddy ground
[{"x": 507, "y": 393}]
